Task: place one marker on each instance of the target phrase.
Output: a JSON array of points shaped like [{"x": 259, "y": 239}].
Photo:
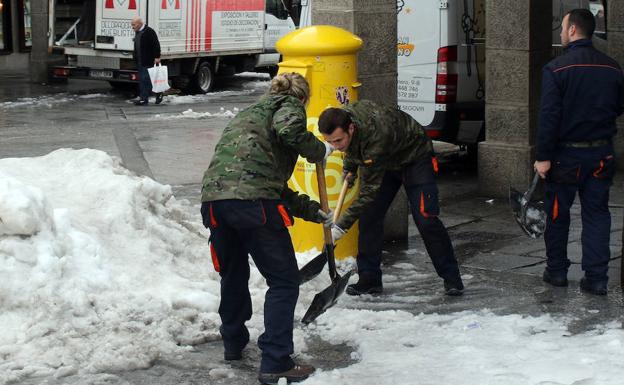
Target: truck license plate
[{"x": 100, "y": 74}]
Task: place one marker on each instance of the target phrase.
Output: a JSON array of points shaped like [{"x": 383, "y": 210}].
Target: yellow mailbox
[{"x": 326, "y": 57}]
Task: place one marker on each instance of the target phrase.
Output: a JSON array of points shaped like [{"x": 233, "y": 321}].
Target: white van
[
  {"x": 441, "y": 62},
  {"x": 199, "y": 39},
  {"x": 441, "y": 67}
]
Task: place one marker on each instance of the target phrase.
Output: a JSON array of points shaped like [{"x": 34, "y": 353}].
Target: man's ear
[
  {"x": 572, "y": 29},
  {"x": 351, "y": 128}
]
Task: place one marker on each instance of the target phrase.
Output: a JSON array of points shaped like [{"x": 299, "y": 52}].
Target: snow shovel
[
  {"x": 316, "y": 265},
  {"x": 328, "y": 297},
  {"x": 529, "y": 215}
]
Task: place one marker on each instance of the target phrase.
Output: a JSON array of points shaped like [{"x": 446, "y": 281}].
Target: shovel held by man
[
  {"x": 316, "y": 265},
  {"x": 328, "y": 297}
]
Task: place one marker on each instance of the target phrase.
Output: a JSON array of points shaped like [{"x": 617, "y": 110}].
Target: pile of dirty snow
[{"x": 99, "y": 269}]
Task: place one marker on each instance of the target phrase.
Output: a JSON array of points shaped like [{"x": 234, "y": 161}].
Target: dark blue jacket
[{"x": 582, "y": 95}]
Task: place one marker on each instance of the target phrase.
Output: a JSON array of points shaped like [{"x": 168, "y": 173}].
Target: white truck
[{"x": 199, "y": 39}]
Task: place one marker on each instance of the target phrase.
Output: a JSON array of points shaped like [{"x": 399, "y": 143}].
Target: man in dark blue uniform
[{"x": 582, "y": 95}]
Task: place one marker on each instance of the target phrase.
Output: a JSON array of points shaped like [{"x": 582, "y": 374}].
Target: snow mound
[
  {"x": 99, "y": 269},
  {"x": 23, "y": 209}
]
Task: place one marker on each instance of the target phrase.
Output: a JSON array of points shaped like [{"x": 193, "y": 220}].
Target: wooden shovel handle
[
  {"x": 320, "y": 176},
  {"x": 341, "y": 197}
]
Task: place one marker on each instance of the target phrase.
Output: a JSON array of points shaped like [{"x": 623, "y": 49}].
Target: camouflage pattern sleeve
[
  {"x": 290, "y": 125},
  {"x": 300, "y": 205},
  {"x": 370, "y": 181}
]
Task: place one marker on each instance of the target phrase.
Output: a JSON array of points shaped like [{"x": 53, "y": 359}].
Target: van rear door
[
  {"x": 112, "y": 23},
  {"x": 418, "y": 41}
]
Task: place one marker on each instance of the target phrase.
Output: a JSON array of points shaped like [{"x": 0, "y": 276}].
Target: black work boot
[
  {"x": 297, "y": 373},
  {"x": 453, "y": 288},
  {"x": 594, "y": 287},
  {"x": 555, "y": 280},
  {"x": 365, "y": 285}
]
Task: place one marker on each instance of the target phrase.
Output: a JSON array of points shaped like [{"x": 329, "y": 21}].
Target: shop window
[{"x": 25, "y": 30}]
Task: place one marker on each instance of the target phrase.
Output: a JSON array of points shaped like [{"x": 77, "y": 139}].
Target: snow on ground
[
  {"x": 469, "y": 348},
  {"x": 190, "y": 114},
  {"x": 50, "y": 100},
  {"x": 99, "y": 269},
  {"x": 102, "y": 271}
]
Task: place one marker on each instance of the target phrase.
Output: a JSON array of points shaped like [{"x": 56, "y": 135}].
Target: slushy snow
[{"x": 103, "y": 271}]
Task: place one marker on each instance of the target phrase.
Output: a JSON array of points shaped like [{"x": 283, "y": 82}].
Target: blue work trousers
[
  {"x": 590, "y": 172},
  {"x": 239, "y": 228},
  {"x": 422, "y": 193}
]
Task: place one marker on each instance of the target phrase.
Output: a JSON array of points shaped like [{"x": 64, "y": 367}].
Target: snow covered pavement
[{"x": 102, "y": 271}]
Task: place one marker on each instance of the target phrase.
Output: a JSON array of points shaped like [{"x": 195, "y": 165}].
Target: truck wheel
[
  {"x": 203, "y": 81},
  {"x": 182, "y": 83}
]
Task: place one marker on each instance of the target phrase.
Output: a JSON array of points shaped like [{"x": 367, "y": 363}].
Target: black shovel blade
[
  {"x": 515, "y": 200},
  {"x": 313, "y": 268},
  {"x": 326, "y": 298}
]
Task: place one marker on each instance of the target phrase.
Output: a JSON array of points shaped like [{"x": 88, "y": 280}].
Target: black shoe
[
  {"x": 159, "y": 98},
  {"x": 555, "y": 280},
  {"x": 453, "y": 288},
  {"x": 365, "y": 286},
  {"x": 233, "y": 356},
  {"x": 140, "y": 103},
  {"x": 594, "y": 287},
  {"x": 297, "y": 373}
]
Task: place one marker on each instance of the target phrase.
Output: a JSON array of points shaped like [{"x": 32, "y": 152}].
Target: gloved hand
[
  {"x": 327, "y": 219},
  {"x": 328, "y": 150},
  {"x": 337, "y": 233},
  {"x": 349, "y": 177}
]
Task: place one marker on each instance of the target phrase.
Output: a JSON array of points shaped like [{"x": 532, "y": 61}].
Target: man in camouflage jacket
[
  {"x": 389, "y": 149},
  {"x": 247, "y": 206}
]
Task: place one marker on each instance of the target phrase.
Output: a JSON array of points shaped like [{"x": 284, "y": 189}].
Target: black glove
[{"x": 349, "y": 177}]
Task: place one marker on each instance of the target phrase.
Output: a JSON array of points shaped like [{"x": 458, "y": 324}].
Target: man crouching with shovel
[
  {"x": 390, "y": 149},
  {"x": 247, "y": 206}
]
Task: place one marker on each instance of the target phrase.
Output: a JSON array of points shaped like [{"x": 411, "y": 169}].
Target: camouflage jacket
[
  {"x": 385, "y": 138},
  {"x": 257, "y": 153}
]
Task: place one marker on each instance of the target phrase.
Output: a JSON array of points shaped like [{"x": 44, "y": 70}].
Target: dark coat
[
  {"x": 582, "y": 95},
  {"x": 149, "y": 47},
  {"x": 385, "y": 138}
]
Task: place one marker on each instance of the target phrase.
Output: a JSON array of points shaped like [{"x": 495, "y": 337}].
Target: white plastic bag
[{"x": 160, "y": 78}]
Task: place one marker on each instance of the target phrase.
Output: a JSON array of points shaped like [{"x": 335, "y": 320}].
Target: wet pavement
[{"x": 501, "y": 266}]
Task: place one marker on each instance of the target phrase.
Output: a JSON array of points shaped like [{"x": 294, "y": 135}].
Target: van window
[{"x": 277, "y": 9}]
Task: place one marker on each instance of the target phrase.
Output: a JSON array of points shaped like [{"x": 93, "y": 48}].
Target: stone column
[
  {"x": 615, "y": 41},
  {"x": 518, "y": 41},
  {"x": 39, "y": 53},
  {"x": 375, "y": 21}
]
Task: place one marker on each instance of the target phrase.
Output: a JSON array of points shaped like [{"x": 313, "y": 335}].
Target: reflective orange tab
[
  {"x": 368, "y": 162},
  {"x": 215, "y": 260},
  {"x": 422, "y": 205},
  {"x": 284, "y": 214},
  {"x": 597, "y": 172},
  {"x": 555, "y": 211},
  {"x": 434, "y": 163},
  {"x": 213, "y": 220}
]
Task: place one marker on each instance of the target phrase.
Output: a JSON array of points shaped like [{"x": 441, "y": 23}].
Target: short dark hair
[
  {"x": 333, "y": 118},
  {"x": 584, "y": 21}
]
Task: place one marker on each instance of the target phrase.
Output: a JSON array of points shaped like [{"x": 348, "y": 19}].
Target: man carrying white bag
[{"x": 146, "y": 54}]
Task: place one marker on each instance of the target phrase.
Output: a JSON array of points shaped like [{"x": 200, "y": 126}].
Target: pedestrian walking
[
  {"x": 146, "y": 54},
  {"x": 390, "y": 149},
  {"x": 248, "y": 206},
  {"x": 582, "y": 95}
]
